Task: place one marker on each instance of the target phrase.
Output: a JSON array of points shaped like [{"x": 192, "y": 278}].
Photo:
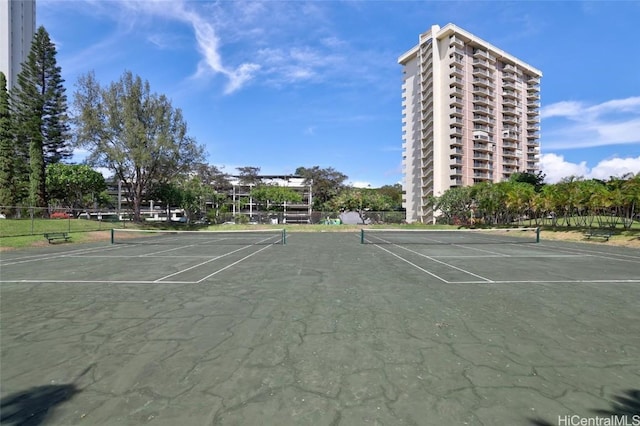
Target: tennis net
[
  {"x": 450, "y": 236},
  {"x": 237, "y": 237}
]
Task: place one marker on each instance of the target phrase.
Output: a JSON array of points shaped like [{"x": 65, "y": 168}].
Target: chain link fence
[{"x": 24, "y": 221}]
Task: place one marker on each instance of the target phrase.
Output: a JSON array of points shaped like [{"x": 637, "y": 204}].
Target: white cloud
[
  {"x": 561, "y": 109},
  {"x": 555, "y": 167},
  {"x": 361, "y": 184},
  {"x": 570, "y": 125}
]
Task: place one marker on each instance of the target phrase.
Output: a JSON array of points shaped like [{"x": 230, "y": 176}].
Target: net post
[
  {"x": 112, "y": 236},
  {"x": 362, "y": 236},
  {"x": 284, "y": 236},
  {"x": 538, "y": 234}
]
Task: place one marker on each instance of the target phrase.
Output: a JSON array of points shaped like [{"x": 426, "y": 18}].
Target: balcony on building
[
  {"x": 510, "y": 120},
  {"x": 455, "y": 171},
  {"x": 456, "y": 121},
  {"x": 510, "y": 111},
  {"x": 483, "y": 54},
  {"x": 455, "y": 40},
  {"x": 482, "y": 108},
  {"x": 456, "y": 100},
  {"x": 482, "y": 165},
  {"x": 457, "y": 91},
  {"x": 455, "y": 161},
  {"x": 427, "y": 184},
  {"x": 509, "y": 76},
  {"x": 482, "y": 175},
  {"x": 481, "y": 72},
  {"x": 532, "y": 80},
  {"x": 510, "y": 68},
  {"x": 455, "y": 141},
  {"x": 482, "y": 136},
  {"x": 427, "y": 70},
  {"x": 509, "y": 103},
  {"x": 483, "y": 82},
  {"x": 482, "y": 150},
  {"x": 456, "y": 152},
  {"x": 456, "y": 59},
  {"x": 480, "y": 90},
  {"x": 456, "y": 81},
  {"x": 482, "y": 100},
  {"x": 457, "y": 50},
  {"x": 533, "y": 96},
  {"x": 510, "y": 94},
  {"x": 456, "y": 111},
  {"x": 455, "y": 70},
  {"x": 456, "y": 131},
  {"x": 427, "y": 151},
  {"x": 508, "y": 85},
  {"x": 480, "y": 62},
  {"x": 510, "y": 135},
  {"x": 483, "y": 127}
]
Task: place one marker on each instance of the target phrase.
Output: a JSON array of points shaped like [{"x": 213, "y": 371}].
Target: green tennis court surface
[{"x": 322, "y": 330}]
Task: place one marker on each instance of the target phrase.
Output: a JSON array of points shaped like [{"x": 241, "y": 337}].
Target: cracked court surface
[{"x": 320, "y": 331}]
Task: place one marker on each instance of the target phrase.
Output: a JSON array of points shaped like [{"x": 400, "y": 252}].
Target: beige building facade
[{"x": 470, "y": 114}]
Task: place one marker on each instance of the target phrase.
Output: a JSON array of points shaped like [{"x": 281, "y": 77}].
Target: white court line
[
  {"x": 549, "y": 282},
  {"x": 444, "y": 263},
  {"x": 233, "y": 264},
  {"x": 165, "y": 251},
  {"x": 202, "y": 263},
  {"x": 49, "y": 256},
  {"x": 482, "y": 250},
  {"x": 412, "y": 264},
  {"x": 92, "y": 282},
  {"x": 118, "y": 256},
  {"x": 587, "y": 253},
  {"x": 521, "y": 256}
]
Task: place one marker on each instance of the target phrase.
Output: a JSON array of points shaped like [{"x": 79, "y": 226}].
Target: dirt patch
[{"x": 616, "y": 240}]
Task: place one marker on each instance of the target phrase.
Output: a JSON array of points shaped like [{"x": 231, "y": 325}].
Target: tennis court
[{"x": 327, "y": 329}]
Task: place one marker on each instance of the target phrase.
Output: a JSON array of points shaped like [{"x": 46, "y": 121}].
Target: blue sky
[{"x": 283, "y": 84}]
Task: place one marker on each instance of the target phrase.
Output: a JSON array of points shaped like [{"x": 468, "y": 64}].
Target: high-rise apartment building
[
  {"x": 17, "y": 27},
  {"x": 470, "y": 113}
]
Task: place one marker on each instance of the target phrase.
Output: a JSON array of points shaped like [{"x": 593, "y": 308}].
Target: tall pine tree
[
  {"x": 7, "y": 150},
  {"x": 40, "y": 106}
]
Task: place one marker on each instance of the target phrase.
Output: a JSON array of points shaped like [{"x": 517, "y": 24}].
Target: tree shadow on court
[
  {"x": 626, "y": 404},
  {"x": 31, "y": 407}
]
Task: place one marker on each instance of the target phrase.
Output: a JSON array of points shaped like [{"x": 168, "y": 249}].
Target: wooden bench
[
  {"x": 598, "y": 233},
  {"x": 52, "y": 236}
]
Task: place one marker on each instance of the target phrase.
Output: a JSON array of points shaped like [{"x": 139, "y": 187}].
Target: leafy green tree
[
  {"x": 455, "y": 204},
  {"x": 40, "y": 107},
  {"x": 362, "y": 201},
  {"x": 274, "y": 197},
  {"x": 74, "y": 184},
  {"x": 249, "y": 175},
  {"x": 211, "y": 175},
  {"x": 534, "y": 179},
  {"x": 169, "y": 194},
  {"x": 394, "y": 192},
  {"x": 135, "y": 133},
  {"x": 7, "y": 151},
  {"x": 325, "y": 183}
]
